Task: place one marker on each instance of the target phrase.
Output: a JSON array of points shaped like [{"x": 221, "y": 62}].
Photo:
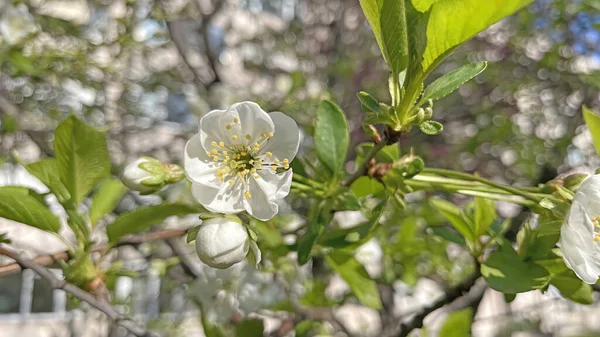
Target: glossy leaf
[
  {"x": 46, "y": 170},
  {"x": 485, "y": 214},
  {"x": 331, "y": 136},
  {"x": 250, "y": 327},
  {"x": 106, "y": 198},
  {"x": 356, "y": 276},
  {"x": 431, "y": 127},
  {"x": 452, "y": 81},
  {"x": 19, "y": 206},
  {"x": 143, "y": 218},
  {"x": 82, "y": 157},
  {"x": 572, "y": 287}
]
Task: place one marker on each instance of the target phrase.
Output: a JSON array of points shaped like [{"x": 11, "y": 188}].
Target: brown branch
[
  {"x": 451, "y": 294},
  {"x": 81, "y": 294},
  {"x": 49, "y": 259}
]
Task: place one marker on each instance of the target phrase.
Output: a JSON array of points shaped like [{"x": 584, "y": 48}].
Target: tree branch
[
  {"x": 449, "y": 296},
  {"x": 81, "y": 294},
  {"x": 46, "y": 260}
]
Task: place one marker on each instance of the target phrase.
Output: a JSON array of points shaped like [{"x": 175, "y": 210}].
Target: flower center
[
  {"x": 596, "y": 222},
  {"x": 240, "y": 157}
]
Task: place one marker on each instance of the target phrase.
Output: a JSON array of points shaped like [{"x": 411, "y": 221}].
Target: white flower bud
[
  {"x": 134, "y": 175},
  {"x": 222, "y": 242}
]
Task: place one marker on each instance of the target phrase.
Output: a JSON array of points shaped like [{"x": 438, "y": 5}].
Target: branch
[
  {"x": 449, "y": 296},
  {"x": 81, "y": 294},
  {"x": 364, "y": 167},
  {"x": 46, "y": 260}
]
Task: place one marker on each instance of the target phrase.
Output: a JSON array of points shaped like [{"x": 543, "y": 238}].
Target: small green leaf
[
  {"x": 346, "y": 202},
  {"x": 394, "y": 33},
  {"x": 431, "y": 127},
  {"x": 143, "y": 218},
  {"x": 26, "y": 209},
  {"x": 250, "y": 327},
  {"x": 331, "y": 136},
  {"x": 423, "y": 5},
  {"x": 369, "y": 103},
  {"x": 46, "y": 170},
  {"x": 254, "y": 255},
  {"x": 4, "y": 238},
  {"x": 316, "y": 225},
  {"x": 452, "y": 80},
  {"x": 354, "y": 273},
  {"x": 453, "y": 214},
  {"x": 82, "y": 157},
  {"x": 505, "y": 271},
  {"x": 192, "y": 233},
  {"x": 593, "y": 123},
  {"x": 458, "y": 324},
  {"x": 485, "y": 214},
  {"x": 106, "y": 198},
  {"x": 365, "y": 186},
  {"x": 449, "y": 234}
]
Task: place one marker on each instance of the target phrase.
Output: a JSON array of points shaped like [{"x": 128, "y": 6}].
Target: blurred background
[{"x": 148, "y": 70}]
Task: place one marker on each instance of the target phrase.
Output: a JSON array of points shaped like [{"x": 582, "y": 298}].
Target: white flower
[
  {"x": 580, "y": 234},
  {"x": 16, "y": 23},
  {"x": 222, "y": 242},
  {"x": 235, "y": 160}
]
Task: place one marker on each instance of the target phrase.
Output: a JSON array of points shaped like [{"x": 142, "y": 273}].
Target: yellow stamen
[
  {"x": 221, "y": 144},
  {"x": 215, "y": 151},
  {"x": 274, "y": 167},
  {"x": 270, "y": 135},
  {"x": 236, "y": 120},
  {"x": 228, "y": 126},
  {"x": 275, "y": 161},
  {"x": 269, "y": 154},
  {"x": 248, "y": 195},
  {"x": 213, "y": 143},
  {"x": 248, "y": 137},
  {"x": 231, "y": 182},
  {"x": 234, "y": 137}
]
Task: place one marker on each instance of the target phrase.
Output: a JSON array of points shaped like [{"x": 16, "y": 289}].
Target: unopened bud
[
  {"x": 221, "y": 242},
  {"x": 428, "y": 113},
  {"x": 147, "y": 175}
]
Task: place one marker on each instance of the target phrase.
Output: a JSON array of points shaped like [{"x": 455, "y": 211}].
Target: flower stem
[
  {"x": 308, "y": 181},
  {"x": 456, "y": 174}
]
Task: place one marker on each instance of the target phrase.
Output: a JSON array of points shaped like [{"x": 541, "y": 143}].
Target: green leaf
[
  {"x": 304, "y": 328},
  {"x": 250, "y": 327},
  {"x": 394, "y": 34},
  {"x": 46, "y": 170},
  {"x": 192, "y": 233},
  {"x": 145, "y": 217},
  {"x": 505, "y": 271},
  {"x": 82, "y": 157},
  {"x": 423, "y": 5},
  {"x": 4, "y": 238},
  {"x": 106, "y": 198},
  {"x": 26, "y": 209},
  {"x": 452, "y": 80},
  {"x": 356, "y": 276},
  {"x": 593, "y": 123},
  {"x": 458, "y": 324},
  {"x": 452, "y": 22},
  {"x": 449, "y": 234},
  {"x": 453, "y": 214},
  {"x": 431, "y": 127},
  {"x": 365, "y": 186},
  {"x": 485, "y": 214},
  {"x": 331, "y": 136},
  {"x": 571, "y": 287},
  {"x": 316, "y": 225},
  {"x": 369, "y": 103},
  {"x": 346, "y": 202}
]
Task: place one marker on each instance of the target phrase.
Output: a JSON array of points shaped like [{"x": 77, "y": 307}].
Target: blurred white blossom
[{"x": 16, "y": 24}]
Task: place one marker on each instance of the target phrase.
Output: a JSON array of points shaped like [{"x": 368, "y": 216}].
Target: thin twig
[
  {"x": 81, "y": 294},
  {"x": 363, "y": 168}
]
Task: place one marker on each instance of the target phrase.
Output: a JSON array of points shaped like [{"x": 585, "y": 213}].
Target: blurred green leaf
[
  {"x": 458, "y": 324},
  {"x": 331, "y": 136},
  {"x": 192, "y": 233},
  {"x": 356, "y": 276},
  {"x": 453, "y": 214},
  {"x": 451, "y": 81},
  {"x": 423, "y": 5},
  {"x": 571, "y": 287},
  {"x": 593, "y": 123},
  {"x": 250, "y": 327},
  {"x": 449, "y": 234},
  {"x": 505, "y": 271},
  {"x": 485, "y": 214},
  {"x": 82, "y": 157},
  {"x": 315, "y": 227},
  {"x": 143, "y": 218},
  {"x": 26, "y": 209},
  {"x": 46, "y": 170},
  {"x": 106, "y": 198},
  {"x": 365, "y": 186},
  {"x": 394, "y": 34}
]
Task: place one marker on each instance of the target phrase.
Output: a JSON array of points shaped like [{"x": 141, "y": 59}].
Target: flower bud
[
  {"x": 144, "y": 175},
  {"x": 222, "y": 242},
  {"x": 428, "y": 113},
  {"x": 573, "y": 181}
]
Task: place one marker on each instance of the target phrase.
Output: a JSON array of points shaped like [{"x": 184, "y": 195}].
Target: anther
[
  {"x": 213, "y": 143},
  {"x": 234, "y": 137},
  {"x": 248, "y": 137},
  {"x": 221, "y": 144},
  {"x": 270, "y": 135},
  {"x": 248, "y": 195},
  {"x": 269, "y": 154},
  {"x": 274, "y": 167},
  {"x": 276, "y": 161},
  {"x": 236, "y": 120},
  {"x": 228, "y": 126}
]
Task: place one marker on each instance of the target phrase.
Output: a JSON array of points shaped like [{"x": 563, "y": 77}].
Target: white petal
[
  {"x": 276, "y": 185},
  {"x": 252, "y": 120},
  {"x": 588, "y": 195},
  {"x": 224, "y": 199},
  {"x": 286, "y": 137},
  {"x": 580, "y": 251},
  {"x": 210, "y": 129},
  {"x": 261, "y": 205},
  {"x": 199, "y": 168}
]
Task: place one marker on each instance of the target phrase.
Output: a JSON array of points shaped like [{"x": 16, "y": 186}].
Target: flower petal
[
  {"x": 579, "y": 249},
  {"x": 276, "y": 185},
  {"x": 286, "y": 137},
  {"x": 260, "y": 205},
  {"x": 199, "y": 168},
  {"x": 223, "y": 199},
  {"x": 252, "y": 121},
  {"x": 210, "y": 129},
  {"x": 588, "y": 195}
]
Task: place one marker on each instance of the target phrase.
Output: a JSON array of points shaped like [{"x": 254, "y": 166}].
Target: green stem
[
  {"x": 488, "y": 182},
  {"x": 301, "y": 187},
  {"x": 437, "y": 181},
  {"x": 362, "y": 169},
  {"x": 307, "y": 181}
]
